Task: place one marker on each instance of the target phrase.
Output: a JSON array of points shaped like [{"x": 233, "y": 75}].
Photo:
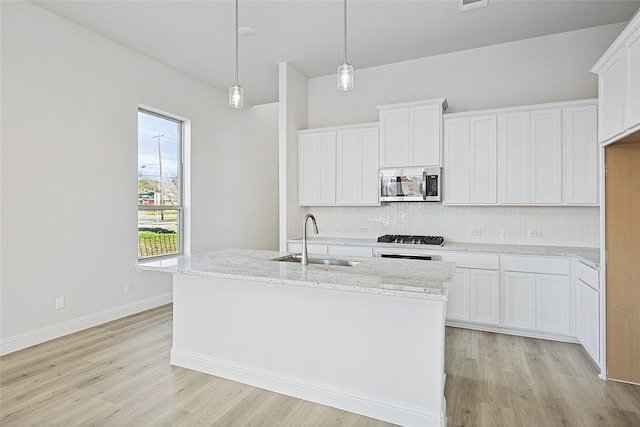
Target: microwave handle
[{"x": 424, "y": 184}]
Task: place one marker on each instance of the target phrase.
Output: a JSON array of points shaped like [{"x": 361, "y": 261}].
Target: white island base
[{"x": 377, "y": 355}]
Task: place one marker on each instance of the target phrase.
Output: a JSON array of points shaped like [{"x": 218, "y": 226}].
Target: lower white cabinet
[
  {"x": 588, "y": 310},
  {"x": 484, "y": 296},
  {"x": 342, "y": 250},
  {"x": 537, "y": 301},
  {"x": 474, "y": 296},
  {"x": 458, "y": 302},
  {"x": 312, "y": 248}
]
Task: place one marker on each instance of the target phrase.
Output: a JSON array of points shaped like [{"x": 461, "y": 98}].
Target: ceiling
[{"x": 197, "y": 37}]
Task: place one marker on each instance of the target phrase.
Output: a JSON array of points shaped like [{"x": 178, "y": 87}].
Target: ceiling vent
[{"x": 472, "y": 4}]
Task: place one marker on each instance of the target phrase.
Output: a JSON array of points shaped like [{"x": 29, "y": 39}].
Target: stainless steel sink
[{"x": 321, "y": 261}]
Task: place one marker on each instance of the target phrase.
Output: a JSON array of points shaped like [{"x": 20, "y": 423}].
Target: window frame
[{"x": 182, "y": 223}]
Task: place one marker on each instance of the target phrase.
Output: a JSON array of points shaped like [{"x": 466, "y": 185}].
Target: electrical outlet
[
  {"x": 534, "y": 234},
  {"x": 363, "y": 229},
  {"x": 128, "y": 287},
  {"x": 475, "y": 232},
  {"x": 59, "y": 303}
]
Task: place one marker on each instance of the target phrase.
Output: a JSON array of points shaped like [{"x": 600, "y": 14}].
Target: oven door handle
[{"x": 407, "y": 256}]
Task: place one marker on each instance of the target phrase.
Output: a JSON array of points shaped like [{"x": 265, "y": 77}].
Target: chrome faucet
[{"x": 305, "y": 256}]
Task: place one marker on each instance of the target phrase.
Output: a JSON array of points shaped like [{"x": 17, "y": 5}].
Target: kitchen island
[{"x": 367, "y": 338}]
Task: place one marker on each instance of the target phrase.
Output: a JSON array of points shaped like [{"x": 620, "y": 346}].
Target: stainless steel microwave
[{"x": 410, "y": 185}]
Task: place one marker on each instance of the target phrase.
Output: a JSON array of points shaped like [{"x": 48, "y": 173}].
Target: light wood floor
[{"x": 118, "y": 374}]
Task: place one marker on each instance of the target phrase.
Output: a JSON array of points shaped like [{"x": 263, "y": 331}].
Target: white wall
[
  {"x": 538, "y": 70},
  {"x": 293, "y": 116},
  {"x": 69, "y": 171}
]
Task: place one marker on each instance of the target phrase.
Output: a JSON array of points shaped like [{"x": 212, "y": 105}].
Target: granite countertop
[
  {"x": 590, "y": 256},
  {"x": 403, "y": 278}
]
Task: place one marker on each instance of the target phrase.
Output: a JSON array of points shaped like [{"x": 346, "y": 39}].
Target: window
[{"x": 160, "y": 185}]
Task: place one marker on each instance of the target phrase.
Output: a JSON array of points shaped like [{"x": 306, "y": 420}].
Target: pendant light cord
[
  {"x": 237, "y": 42},
  {"x": 345, "y": 31}
]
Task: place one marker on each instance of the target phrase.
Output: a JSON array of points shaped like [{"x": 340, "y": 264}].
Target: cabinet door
[
  {"x": 612, "y": 98},
  {"x": 514, "y": 172},
  {"x": 592, "y": 337},
  {"x": 588, "y": 315},
  {"x": 484, "y": 296},
  {"x": 456, "y": 165},
  {"x": 394, "y": 138},
  {"x": 317, "y": 169},
  {"x": 425, "y": 135},
  {"x": 369, "y": 158},
  {"x": 349, "y": 174},
  {"x": 482, "y": 158},
  {"x": 580, "y": 155},
  {"x": 519, "y": 300},
  {"x": 633, "y": 79},
  {"x": 546, "y": 165},
  {"x": 552, "y": 303},
  {"x": 458, "y": 300}
]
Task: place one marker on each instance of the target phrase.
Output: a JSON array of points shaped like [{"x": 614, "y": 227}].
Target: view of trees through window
[{"x": 159, "y": 185}]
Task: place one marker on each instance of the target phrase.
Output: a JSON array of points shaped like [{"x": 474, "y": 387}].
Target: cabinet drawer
[
  {"x": 543, "y": 265},
  {"x": 350, "y": 250},
  {"x": 485, "y": 262},
  {"x": 312, "y": 248},
  {"x": 588, "y": 275}
]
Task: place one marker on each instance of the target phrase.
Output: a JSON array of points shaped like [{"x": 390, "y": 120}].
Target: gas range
[{"x": 415, "y": 240}]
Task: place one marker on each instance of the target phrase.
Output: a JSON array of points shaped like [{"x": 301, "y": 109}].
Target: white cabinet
[
  {"x": 357, "y": 167},
  {"x": 342, "y": 250},
  {"x": 537, "y": 294},
  {"x": 470, "y": 160},
  {"x": 539, "y": 154},
  {"x": 619, "y": 85},
  {"x": 633, "y": 78},
  {"x": 580, "y": 155},
  {"x": 519, "y": 300},
  {"x": 338, "y": 166},
  {"x": 546, "y": 184},
  {"x": 514, "y": 170},
  {"x": 474, "y": 295},
  {"x": 317, "y": 168},
  {"x": 458, "y": 301},
  {"x": 588, "y": 310},
  {"x": 553, "y": 304},
  {"x": 410, "y": 133},
  {"x": 484, "y": 295},
  {"x": 529, "y": 157}
]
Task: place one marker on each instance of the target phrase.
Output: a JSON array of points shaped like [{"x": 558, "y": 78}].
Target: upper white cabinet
[
  {"x": 317, "y": 168},
  {"x": 470, "y": 160},
  {"x": 338, "y": 166},
  {"x": 529, "y": 157},
  {"x": 411, "y": 134},
  {"x": 357, "y": 167},
  {"x": 540, "y": 154},
  {"x": 579, "y": 155},
  {"x": 619, "y": 85}
]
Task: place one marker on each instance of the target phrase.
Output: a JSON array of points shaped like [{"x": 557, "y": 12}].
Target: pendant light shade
[
  {"x": 236, "y": 93},
  {"x": 345, "y": 77},
  {"x": 345, "y": 71}
]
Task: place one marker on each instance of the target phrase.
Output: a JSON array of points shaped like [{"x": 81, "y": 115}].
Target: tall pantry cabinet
[{"x": 619, "y": 137}]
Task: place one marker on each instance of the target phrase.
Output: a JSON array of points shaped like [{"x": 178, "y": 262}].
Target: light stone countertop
[
  {"x": 402, "y": 278},
  {"x": 589, "y": 256}
]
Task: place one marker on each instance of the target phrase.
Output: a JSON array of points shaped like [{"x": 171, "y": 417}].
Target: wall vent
[{"x": 472, "y": 4}]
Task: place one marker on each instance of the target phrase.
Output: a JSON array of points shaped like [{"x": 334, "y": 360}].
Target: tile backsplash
[{"x": 531, "y": 225}]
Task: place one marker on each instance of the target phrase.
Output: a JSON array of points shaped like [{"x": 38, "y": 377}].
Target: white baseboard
[
  {"x": 19, "y": 342},
  {"x": 348, "y": 400},
  {"x": 512, "y": 331}
]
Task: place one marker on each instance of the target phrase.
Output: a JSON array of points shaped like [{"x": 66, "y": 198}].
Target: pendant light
[
  {"x": 236, "y": 93},
  {"x": 345, "y": 71}
]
